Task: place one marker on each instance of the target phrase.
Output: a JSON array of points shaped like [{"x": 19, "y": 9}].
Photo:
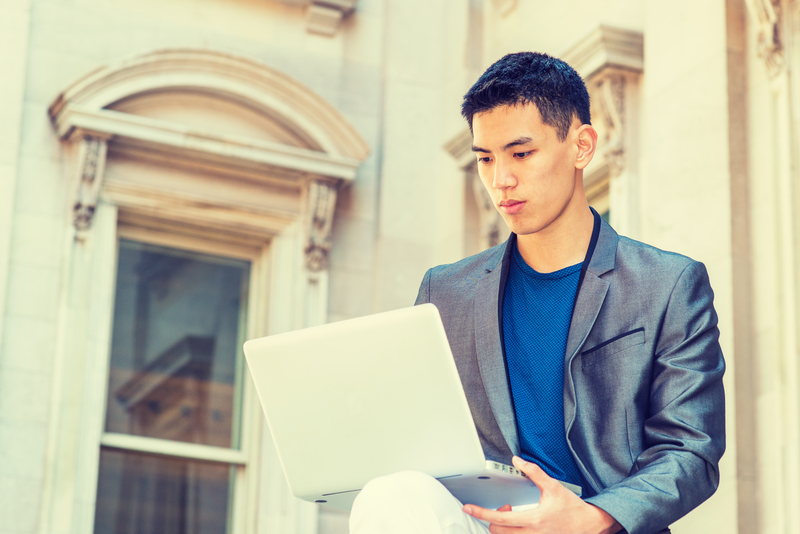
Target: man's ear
[{"x": 586, "y": 143}]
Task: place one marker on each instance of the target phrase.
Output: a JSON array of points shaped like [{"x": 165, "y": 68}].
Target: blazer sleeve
[
  {"x": 424, "y": 294},
  {"x": 684, "y": 433}
]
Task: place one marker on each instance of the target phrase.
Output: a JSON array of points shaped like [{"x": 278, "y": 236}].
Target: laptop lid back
[{"x": 349, "y": 401}]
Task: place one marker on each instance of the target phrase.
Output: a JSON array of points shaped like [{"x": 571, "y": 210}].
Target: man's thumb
[{"x": 535, "y": 473}]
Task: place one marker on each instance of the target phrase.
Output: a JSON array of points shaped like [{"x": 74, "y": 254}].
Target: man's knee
[{"x": 402, "y": 485}]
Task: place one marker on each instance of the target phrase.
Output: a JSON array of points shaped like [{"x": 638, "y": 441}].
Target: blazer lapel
[
  {"x": 491, "y": 361},
  {"x": 590, "y": 299}
]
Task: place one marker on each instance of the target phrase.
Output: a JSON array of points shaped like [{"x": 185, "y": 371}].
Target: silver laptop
[{"x": 350, "y": 401}]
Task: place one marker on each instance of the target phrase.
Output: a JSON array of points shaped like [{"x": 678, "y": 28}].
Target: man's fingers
[
  {"x": 507, "y": 518},
  {"x": 504, "y": 508},
  {"x": 495, "y": 529}
]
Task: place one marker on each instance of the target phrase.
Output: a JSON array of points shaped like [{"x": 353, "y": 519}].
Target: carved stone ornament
[
  {"x": 321, "y": 207},
  {"x": 325, "y": 16},
  {"x": 92, "y": 154},
  {"x": 490, "y": 220},
  {"x": 766, "y": 15},
  {"x": 610, "y": 98}
]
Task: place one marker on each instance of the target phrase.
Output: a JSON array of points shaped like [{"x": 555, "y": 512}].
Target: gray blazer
[{"x": 644, "y": 408}]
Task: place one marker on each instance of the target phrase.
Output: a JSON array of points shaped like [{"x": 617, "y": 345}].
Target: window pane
[
  {"x": 143, "y": 494},
  {"x": 175, "y": 356}
]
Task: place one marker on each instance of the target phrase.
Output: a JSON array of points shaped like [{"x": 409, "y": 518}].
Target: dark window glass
[
  {"x": 146, "y": 494},
  {"x": 176, "y": 366}
]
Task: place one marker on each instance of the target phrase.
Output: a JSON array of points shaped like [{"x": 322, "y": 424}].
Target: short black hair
[{"x": 531, "y": 78}]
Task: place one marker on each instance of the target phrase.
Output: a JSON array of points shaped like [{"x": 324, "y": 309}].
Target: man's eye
[
  {"x": 485, "y": 159},
  {"x": 523, "y": 154}
]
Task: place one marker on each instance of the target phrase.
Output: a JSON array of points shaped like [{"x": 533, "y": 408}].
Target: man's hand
[{"x": 559, "y": 512}]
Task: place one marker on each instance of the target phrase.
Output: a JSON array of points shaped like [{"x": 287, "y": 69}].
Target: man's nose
[{"x": 503, "y": 176}]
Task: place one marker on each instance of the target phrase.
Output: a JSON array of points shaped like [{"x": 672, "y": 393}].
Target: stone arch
[{"x": 227, "y": 76}]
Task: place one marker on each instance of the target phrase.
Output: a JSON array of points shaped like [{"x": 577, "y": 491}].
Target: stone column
[
  {"x": 687, "y": 187},
  {"x": 421, "y": 193},
  {"x": 14, "y": 25}
]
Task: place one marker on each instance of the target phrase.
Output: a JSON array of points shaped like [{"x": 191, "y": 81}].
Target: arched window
[{"x": 205, "y": 187}]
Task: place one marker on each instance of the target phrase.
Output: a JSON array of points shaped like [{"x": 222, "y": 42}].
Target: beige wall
[{"x": 716, "y": 151}]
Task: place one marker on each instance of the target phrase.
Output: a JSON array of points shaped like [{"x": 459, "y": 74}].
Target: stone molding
[
  {"x": 607, "y": 47},
  {"x": 324, "y": 17},
  {"x": 232, "y": 77},
  {"x": 234, "y": 153},
  {"x": 766, "y": 15},
  {"x": 79, "y": 113}
]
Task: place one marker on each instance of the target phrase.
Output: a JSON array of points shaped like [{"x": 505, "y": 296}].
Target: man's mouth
[{"x": 511, "y": 206}]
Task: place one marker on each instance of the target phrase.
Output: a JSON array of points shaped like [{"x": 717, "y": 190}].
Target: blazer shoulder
[
  {"x": 467, "y": 271},
  {"x": 634, "y": 255}
]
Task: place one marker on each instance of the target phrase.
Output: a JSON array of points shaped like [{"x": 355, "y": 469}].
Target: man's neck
[{"x": 560, "y": 245}]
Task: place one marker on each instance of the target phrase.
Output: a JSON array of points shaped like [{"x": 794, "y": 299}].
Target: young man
[{"x": 587, "y": 357}]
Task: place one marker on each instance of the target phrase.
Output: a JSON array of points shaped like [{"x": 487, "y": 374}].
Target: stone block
[
  {"x": 37, "y": 136},
  {"x": 51, "y": 71},
  {"x": 413, "y": 30},
  {"x": 363, "y": 38},
  {"x": 22, "y": 448},
  {"x": 42, "y": 187},
  {"x": 353, "y": 244},
  {"x": 33, "y": 291},
  {"x": 37, "y": 240},
  {"x": 400, "y": 266},
  {"x": 350, "y": 293},
  {"x": 359, "y": 89},
  {"x": 20, "y": 498},
  {"x": 702, "y": 39},
  {"x": 29, "y": 344},
  {"x": 24, "y": 396},
  {"x": 359, "y": 199}
]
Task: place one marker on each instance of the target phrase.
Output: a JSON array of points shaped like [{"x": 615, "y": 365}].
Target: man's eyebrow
[{"x": 516, "y": 142}]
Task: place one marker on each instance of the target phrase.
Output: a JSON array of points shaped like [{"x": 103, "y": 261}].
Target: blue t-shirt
[{"x": 537, "y": 309}]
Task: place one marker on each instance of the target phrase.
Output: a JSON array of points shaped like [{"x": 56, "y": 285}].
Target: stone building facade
[{"x": 179, "y": 175}]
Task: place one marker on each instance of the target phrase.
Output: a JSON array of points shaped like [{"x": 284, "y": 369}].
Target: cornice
[
  {"x": 224, "y": 75},
  {"x": 606, "y": 47},
  {"x": 460, "y": 147},
  {"x": 177, "y": 140}
]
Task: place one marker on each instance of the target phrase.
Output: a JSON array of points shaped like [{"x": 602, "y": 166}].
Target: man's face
[{"x": 531, "y": 176}]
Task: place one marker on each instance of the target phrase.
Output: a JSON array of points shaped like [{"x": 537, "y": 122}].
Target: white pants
[{"x": 410, "y": 502}]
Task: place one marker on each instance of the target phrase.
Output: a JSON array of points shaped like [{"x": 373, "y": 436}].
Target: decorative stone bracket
[
  {"x": 489, "y": 218},
  {"x": 766, "y": 15},
  {"x": 91, "y": 170},
  {"x": 609, "y": 93},
  {"x": 325, "y": 16},
  {"x": 319, "y": 221},
  {"x": 490, "y": 221},
  {"x": 607, "y": 59}
]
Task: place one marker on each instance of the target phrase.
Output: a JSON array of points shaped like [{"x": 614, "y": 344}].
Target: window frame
[{"x": 244, "y": 461}]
